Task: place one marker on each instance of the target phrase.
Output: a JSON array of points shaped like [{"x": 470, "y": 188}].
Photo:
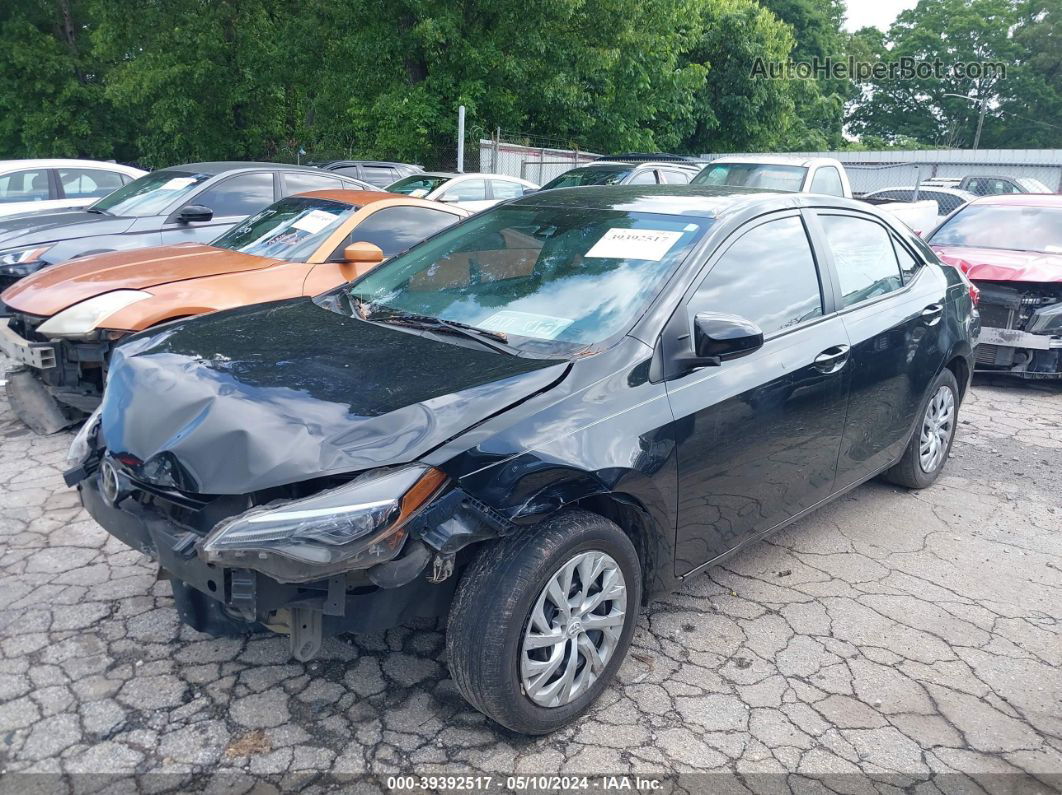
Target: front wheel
[
  {"x": 928, "y": 450},
  {"x": 542, "y": 620}
]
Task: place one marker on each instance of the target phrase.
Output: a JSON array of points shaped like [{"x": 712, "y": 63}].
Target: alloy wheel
[
  {"x": 937, "y": 426},
  {"x": 574, "y": 629}
]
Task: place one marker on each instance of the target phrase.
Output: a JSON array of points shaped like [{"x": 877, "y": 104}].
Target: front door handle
[
  {"x": 931, "y": 314},
  {"x": 832, "y": 359}
]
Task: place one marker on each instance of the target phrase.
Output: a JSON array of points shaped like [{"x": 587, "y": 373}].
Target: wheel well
[
  {"x": 961, "y": 370},
  {"x": 633, "y": 520}
]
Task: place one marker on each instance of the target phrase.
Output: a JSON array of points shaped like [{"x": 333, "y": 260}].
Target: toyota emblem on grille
[{"x": 110, "y": 486}]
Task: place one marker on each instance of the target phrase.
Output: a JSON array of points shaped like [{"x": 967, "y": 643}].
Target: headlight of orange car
[{"x": 81, "y": 320}]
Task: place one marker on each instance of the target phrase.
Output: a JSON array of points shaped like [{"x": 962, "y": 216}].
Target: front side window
[
  {"x": 1014, "y": 228},
  {"x": 470, "y": 190},
  {"x": 378, "y": 175},
  {"x": 547, "y": 277},
  {"x": 768, "y": 276},
  {"x": 827, "y": 181},
  {"x": 395, "y": 229},
  {"x": 864, "y": 257},
  {"x": 241, "y": 195},
  {"x": 590, "y": 175},
  {"x": 417, "y": 186},
  {"x": 83, "y": 183},
  {"x": 503, "y": 189},
  {"x": 647, "y": 177},
  {"x": 676, "y": 177},
  {"x": 150, "y": 194},
  {"x": 24, "y": 186},
  {"x": 769, "y": 176},
  {"x": 291, "y": 229}
]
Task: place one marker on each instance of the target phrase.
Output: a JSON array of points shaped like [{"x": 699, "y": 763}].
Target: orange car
[{"x": 65, "y": 319}]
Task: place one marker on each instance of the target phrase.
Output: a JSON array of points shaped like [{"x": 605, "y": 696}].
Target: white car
[
  {"x": 474, "y": 192},
  {"x": 29, "y": 185}
]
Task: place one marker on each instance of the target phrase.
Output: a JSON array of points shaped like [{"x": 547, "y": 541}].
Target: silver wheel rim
[
  {"x": 937, "y": 426},
  {"x": 574, "y": 628}
]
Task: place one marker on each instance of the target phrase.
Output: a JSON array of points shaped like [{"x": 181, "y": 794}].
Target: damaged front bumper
[
  {"x": 59, "y": 380},
  {"x": 224, "y": 600},
  {"x": 1021, "y": 330}
]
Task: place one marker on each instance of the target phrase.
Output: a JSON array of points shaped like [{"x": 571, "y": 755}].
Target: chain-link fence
[{"x": 535, "y": 158}]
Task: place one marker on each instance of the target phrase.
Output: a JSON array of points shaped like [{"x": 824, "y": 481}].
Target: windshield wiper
[
  {"x": 497, "y": 341},
  {"x": 98, "y": 211}
]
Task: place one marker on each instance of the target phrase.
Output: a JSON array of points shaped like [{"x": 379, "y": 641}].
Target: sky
[{"x": 879, "y": 13}]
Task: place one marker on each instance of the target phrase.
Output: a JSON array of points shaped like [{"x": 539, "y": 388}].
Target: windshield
[
  {"x": 417, "y": 186},
  {"x": 150, "y": 194},
  {"x": 290, "y": 229},
  {"x": 589, "y": 175},
  {"x": 547, "y": 275},
  {"x": 753, "y": 175},
  {"x": 1015, "y": 228}
]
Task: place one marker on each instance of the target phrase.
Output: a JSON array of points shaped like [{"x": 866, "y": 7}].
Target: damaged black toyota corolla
[{"x": 531, "y": 422}]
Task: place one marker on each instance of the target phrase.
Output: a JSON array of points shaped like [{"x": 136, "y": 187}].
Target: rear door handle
[
  {"x": 931, "y": 314},
  {"x": 832, "y": 359}
]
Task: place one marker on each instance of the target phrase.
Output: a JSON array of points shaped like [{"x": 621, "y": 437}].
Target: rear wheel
[
  {"x": 542, "y": 620},
  {"x": 930, "y": 445}
]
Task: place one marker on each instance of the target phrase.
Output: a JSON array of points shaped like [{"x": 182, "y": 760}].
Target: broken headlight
[
  {"x": 80, "y": 448},
  {"x": 1047, "y": 320},
  {"x": 355, "y": 526}
]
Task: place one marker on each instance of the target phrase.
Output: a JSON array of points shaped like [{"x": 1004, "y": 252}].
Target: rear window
[
  {"x": 590, "y": 175},
  {"x": 770, "y": 176}
]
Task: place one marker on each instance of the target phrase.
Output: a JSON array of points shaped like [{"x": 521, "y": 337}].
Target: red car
[{"x": 1010, "y": 247}]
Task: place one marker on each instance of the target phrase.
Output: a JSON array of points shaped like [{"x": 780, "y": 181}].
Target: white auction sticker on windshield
[
  {"x": 650, "y": 244},
  {"x": 526, "y": 324},
  {"x": 418, "y": 193},
  {"x": 314, "y": 221},
  {"x": 177, "y": 183}
]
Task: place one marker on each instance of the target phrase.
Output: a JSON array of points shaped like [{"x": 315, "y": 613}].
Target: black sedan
[
  {"x": 193, "y": 203},
  {"x": 531, "y": 422}
]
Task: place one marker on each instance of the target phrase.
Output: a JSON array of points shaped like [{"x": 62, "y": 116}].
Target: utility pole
[
  {"x": 461, "y": 139},
  {"x": 980, "y": 124}
]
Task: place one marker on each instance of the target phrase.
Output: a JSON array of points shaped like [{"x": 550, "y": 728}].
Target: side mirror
[
  {"x": 194, "y": 212},
  {"x": 362, "y": 253},
  {"x": 718, "y": 337}
]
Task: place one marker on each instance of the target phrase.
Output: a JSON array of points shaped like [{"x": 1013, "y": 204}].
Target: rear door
[
  {"x": 28, "y": 190},
  {"x": 892, "y": 308},
  {"x": 757, "y": 437}
]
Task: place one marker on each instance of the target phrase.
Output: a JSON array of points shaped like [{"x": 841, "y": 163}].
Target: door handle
[
  {"x": 832, "y": 359},
  {"x": 931, "y": 314}
]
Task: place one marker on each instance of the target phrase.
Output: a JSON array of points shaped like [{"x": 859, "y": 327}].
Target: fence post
[
  {"x": 497, "y": 141},
  {"x": 461, "y": 139},
  {"x": 918, "y": 181}
]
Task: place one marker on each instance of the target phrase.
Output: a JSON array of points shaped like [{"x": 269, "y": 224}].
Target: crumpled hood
[
  {"x": 278, "y": 393},
  {"x": 1000, "y": 265},
  {"x": 55, "y": 288},
  {"x": 26, "y": 229}
]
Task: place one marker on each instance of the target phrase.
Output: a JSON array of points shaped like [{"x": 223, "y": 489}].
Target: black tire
[
  {"x": 908, "y": 471},
  {"x": 492, "y": 608}
]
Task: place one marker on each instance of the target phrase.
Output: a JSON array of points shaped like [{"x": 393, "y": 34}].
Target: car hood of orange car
[{"x": 57, "y": 287}]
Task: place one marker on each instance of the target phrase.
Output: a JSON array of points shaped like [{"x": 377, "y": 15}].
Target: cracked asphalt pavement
[{"x": 893, "y": 639}]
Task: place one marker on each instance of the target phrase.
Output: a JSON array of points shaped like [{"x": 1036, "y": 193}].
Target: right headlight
[
  {"x": 357, "y": 525},
  {"x": 1047, "y": 320},
  {"x": 82, "y": 319}
]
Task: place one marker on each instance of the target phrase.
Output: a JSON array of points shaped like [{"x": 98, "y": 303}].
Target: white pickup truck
[{"x": 808, "y": 175}]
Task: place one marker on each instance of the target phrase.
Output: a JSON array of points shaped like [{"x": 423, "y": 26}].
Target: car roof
[
  {"x": 223, "y": 166},
  {"x": 366, "y": 163},
  {"x": 60, "y": 162},
  {"x": 962, "y": 194},
  {"x": 680, "y": 164},
  {"x": 781, "y": 160},
  {"x": 704, "y": 201},
  {"x": 1022, "y": 199},
  {"x": 355, "y": 198}
]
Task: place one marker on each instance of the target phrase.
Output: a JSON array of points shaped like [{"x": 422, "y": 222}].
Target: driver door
[{"x": 758, "y": 437}]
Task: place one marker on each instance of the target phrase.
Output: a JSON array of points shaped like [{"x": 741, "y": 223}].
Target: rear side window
[
  {"x": 82, "y": 183},
  {"x": 864, "y": 256},
  {"x": 242, "y": 195},
  {"x": 302, "y": 183},
  {"x": 394, "y": 229},
  {"x": 647, "y": 177},
  {"x": 24, "y": 186},
  {"x": 379, "y": 175},
  {"x": 828, "y": 181},
  {"x": 768, "y": 276},
  {"x": 908, "y": 264},
  {"x": 673, "y": 177}
]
